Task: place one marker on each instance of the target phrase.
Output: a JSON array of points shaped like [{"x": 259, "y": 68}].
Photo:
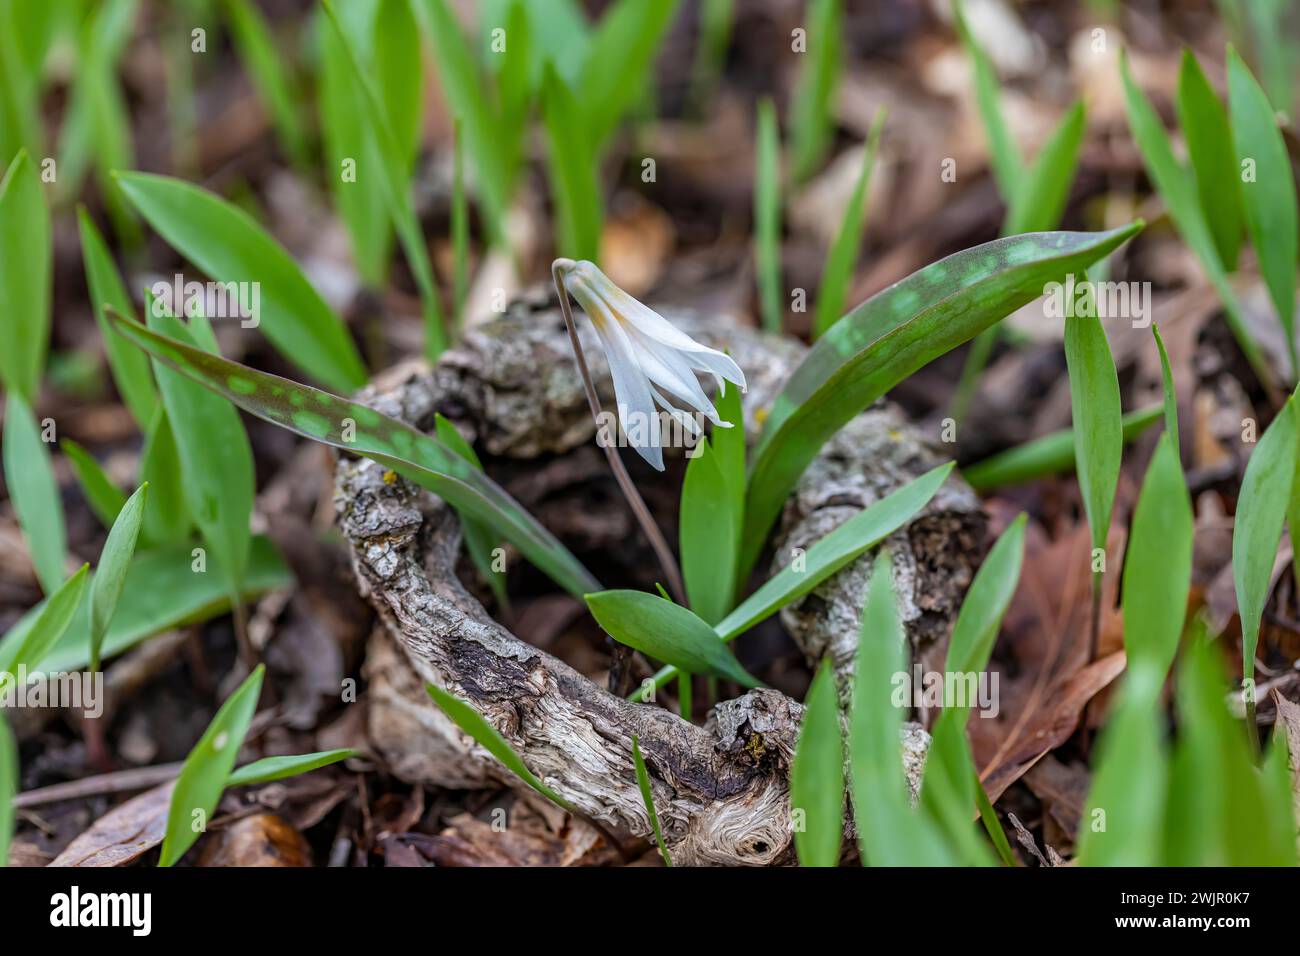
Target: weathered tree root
[{"x": 721, "y": 791}]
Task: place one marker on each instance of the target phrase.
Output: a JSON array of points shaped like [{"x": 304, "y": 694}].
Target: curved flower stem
[{"x": 634, "y": 499}]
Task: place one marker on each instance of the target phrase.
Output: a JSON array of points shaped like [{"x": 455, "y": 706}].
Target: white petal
[
  {"x": 667, "y": 369},
  {"x": 631, "y": 389}
]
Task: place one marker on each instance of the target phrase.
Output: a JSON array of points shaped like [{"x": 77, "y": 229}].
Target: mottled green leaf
[
  {"x": 889, "y": 337},
  {"x": 355, "y": 428}
]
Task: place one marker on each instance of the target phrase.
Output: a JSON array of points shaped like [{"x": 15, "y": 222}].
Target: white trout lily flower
[{"x": 651, "y": 361}]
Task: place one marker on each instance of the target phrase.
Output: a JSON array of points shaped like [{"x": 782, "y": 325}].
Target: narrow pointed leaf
[
  {"x": 1257, "y": 528},
  {"x": 709, "y": 535},
  {"x": 1170, "y": 393},
  {"x": 130, "y": 368},
  {"x": 25, "y": 269},
  {"x": 890, "y": 336},
  {"x": 817, "y": 775},
  {"x": 1269, "y": 197},
  {"x": 29, "y": 646},
  {"x": 8, "y": 787},
  {"x": 227, "y": 244},
  {"x": 34, "y": 492},
  {"x": 1095, "y": 407},
  {"x": 104, "y": 497},
  {"x": 324, "y": 417},
  {"x": 1041, "y": 198},
  {"x": 257, "y": 49},
  {"x": 1008, "y": 165},
  {"x": 812, "y": 117},
  {"x": 1209, "y": 146},
  {"x": 1158, "y": 564},
  {"x": 571, "y": 166},
  {"x": 1051, "y": 454},
  {"x": 166, "y": 518},
  {"x": 666, "y": 632},
  {"x": 833, "y": 551},
  {"x": 204, "y": 774},
  {"x": 648, "y": 798},
  {"x": 838, "y": 271},
  {"x": 986, "y": 602},
  {"x": 278, "y": 768},
  {"x": 215, "y": 456},
  {"x": 489, "y": 738},
  {"x": 110, "y": 573},
  {"x": 767, "y": 216}
]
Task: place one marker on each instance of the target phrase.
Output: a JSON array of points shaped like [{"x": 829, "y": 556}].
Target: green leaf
[
  {"x": 890, "y": 832},
  {"x": 1176, "y": 187},
  {"x": 394, "y": 178},
  {"x": 162, "y": 592},
  {"x": 831, "y": 553},
  {"x": 104, "y": 497},
  {"x": 324, "y": 417},
  {"x": 838, "y": 270},
  {"x": 889, "y": 337},
  {"x": 25, "y": 269},
  {"x": 767, "y": 215},
  {"x": 1008, "y": 166},
  {"x": 619, "y": 61},
  {"x": 729, "y": 447},
  {"x": 1158, "y": 564},
  {"x": 215, "y": 457},
  {"x": 489, "y": 738},
  {"x": 277, "y": 768},
  {"x": 462, "y": 86},
  {"x": 8, "y": 787},
  {"x": 647, "y": 797},
  {"x": 948, "y": 789},
  {"x": 129, "y": 367},
  {"x": 1049, "y": 455},
  {"x": 204, "y": 774},
  {"x": 167, "y": 518},
  {"x": 1257, "y": 528},
  {"x": 817, "y": 775},
  {"x": 709, "y": 535},
  {"x": 987, "y": 600},
  {"x": 1039, "y": 202},
  {"x": 257, "y": 49},
  {"x": 1209, "y": 146},
  {"x": 1122, "y": 823},
  {"x": 479, "y": 540},
  {"x": 1095, "y": 407},
  {"x": 813, "y": 119},
  {"x": 34, "y": 492},
  {"x": 1269, "y": 198},
  {"x": 1170, "y": 394},
  {"x": 571, "y": 166},
  {"x": 110, "y": 573},
  {"x": 29, "y": 646},
  {"x": 225, "y": 242},
  {"x": 667, "y": 632}
]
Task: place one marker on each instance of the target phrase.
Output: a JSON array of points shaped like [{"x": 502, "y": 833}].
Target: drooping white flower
[{"x": 651, "y": 361}]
